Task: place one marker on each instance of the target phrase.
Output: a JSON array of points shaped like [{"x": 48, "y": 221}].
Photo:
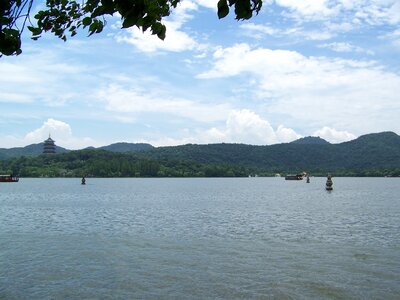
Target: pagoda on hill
[{"x": 49, "y": 147}]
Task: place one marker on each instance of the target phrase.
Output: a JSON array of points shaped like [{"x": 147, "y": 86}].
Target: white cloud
[
  {"x": 375, "y": 12},
  {"x": 134, "y": 100},
  {"x": 241, "y": 126},
  {"x": 286, "y": 135},
  {"x": 342, "y": 26},
  {"x": 59, "y": 128},
  {"x": 40, "y": 76},
  {"x": 345, "y": 47},
  {"x": 212, "y": 4},
  {"x": 331, "y": 17},
  {"x": 257, "y": 31},
  {"x": 176, "y": 40},
  {"x": 254, "y": 30},
  {"x": 315, "y": 9},
  {"x": 393, "y": 36},
  {"x": 315, "y": 35},
  {"x": 334, "y": 136},
  {"x": 312, "y": 90},
  {"x": 245, "y": 126},
  {"x": 13, "y": 97},
  {"x": 59, "y": 131}
]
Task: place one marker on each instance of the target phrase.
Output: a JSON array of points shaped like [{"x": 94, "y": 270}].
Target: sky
[{"x": 299, "y": 68}]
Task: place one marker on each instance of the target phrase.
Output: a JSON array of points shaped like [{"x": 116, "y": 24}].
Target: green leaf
[
  {"x": 223, "y": 9},
  {"x": 243, "y": 9},
  {"x": 161, "y": 33},
  {"x": 129, "y": 21},
  {"x": 156, "y": 28},
  {"x": 98, "y": 11},
  {"x": 35, "y": 30},
  {"x": 87, "y": 21},
  {"x": 92, "y": 28},
  {"x": 99, "y": 27},
  {"x": 11, "y": 32}
]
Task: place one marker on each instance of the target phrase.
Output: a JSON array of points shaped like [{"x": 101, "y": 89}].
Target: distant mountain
[
  {"x": 37, "y": 149},
  {"x": 126, "y": 147},
  {"x": 368, "y": 153},
  {"x": 310, "y": 140},
  {"x": 30, "y": 150}
]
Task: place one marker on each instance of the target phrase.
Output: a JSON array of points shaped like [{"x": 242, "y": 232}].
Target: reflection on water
[{"x": 200, "y": 238}]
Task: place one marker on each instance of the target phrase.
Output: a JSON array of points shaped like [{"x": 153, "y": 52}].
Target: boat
[
  {"x": 9, "y": 178},
  {"x": 294, "y": 177}
]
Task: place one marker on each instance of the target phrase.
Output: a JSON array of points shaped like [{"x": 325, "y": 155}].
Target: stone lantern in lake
[
  {"x": 329, "y": 183},
  {"x": 49, "y": 146}
]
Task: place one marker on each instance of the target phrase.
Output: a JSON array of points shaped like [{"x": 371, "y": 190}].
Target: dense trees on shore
[
  {"x": 369, "y": 155},
  {"x": 100, "y": 163}
]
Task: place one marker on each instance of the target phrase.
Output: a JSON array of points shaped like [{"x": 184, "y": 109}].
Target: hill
[
  {"x": 126, "y": 147},
  {"x": 37, "y": 149},
  {"x": 311, "y": 140},
  {"x": 380, "y": 150},
  {"x": 30, "y": 150},
  {"x": 369, "y": 155}
]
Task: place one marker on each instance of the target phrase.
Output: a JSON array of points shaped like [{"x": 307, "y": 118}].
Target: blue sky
[{"x": 300, "y": 68}]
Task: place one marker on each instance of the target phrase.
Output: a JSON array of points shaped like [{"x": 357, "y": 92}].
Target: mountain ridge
[
  {"x": 371, "y": 155},
  {"x": 313, "y": 140},
  {"x": 371, "y": 150}
]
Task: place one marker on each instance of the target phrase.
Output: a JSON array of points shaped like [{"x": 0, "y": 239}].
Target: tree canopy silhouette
[{"x": 64, "y": 18}]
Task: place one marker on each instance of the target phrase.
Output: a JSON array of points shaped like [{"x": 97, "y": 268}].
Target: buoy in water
[
  {"x": 83, "y": 180},
  {"x": 329, "y": 183}
]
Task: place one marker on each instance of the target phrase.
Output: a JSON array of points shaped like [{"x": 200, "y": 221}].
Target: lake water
[{"x": 208, "y": 238}]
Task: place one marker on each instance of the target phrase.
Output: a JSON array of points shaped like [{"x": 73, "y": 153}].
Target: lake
[{"x": 203, "y": 238}]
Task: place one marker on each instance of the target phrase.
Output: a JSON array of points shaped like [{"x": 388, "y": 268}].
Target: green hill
[
  {"x": 370, "y": 155},
  {"x": 30, "y": 150},
  {"x": 37, "y": 149},
  {"x": 126, "y": 147},
  {"x": 372, "y": 150},
  {"x": 313, "y": 140}
]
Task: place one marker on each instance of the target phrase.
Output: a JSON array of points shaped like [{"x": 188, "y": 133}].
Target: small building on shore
[{"x": 49, "y": 146}]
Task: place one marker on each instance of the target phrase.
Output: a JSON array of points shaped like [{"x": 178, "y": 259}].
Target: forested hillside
[
  {"x": 380, "y": 150},
  {"x": 369, "y": 155},
  {"x": 30, "y": 150}
]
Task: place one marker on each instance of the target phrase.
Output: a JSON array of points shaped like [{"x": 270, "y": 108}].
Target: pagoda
[{"x": 49, "y": 147}]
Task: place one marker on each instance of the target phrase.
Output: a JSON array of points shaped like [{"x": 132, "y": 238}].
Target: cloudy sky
[{"x": 301, "y": 67}]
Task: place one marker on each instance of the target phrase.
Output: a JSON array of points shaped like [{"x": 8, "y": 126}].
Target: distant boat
[
  {"x": 294, "y": 177},
  {"x": 9, "y": 178}
]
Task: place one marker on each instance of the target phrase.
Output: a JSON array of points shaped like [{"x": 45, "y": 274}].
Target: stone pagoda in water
[
  {"x": 329, "y": 183},
  {"x": 49, "y": 146}
]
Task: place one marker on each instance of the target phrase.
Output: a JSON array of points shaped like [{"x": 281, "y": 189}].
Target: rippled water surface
[{"x": 263, "y": 238}]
